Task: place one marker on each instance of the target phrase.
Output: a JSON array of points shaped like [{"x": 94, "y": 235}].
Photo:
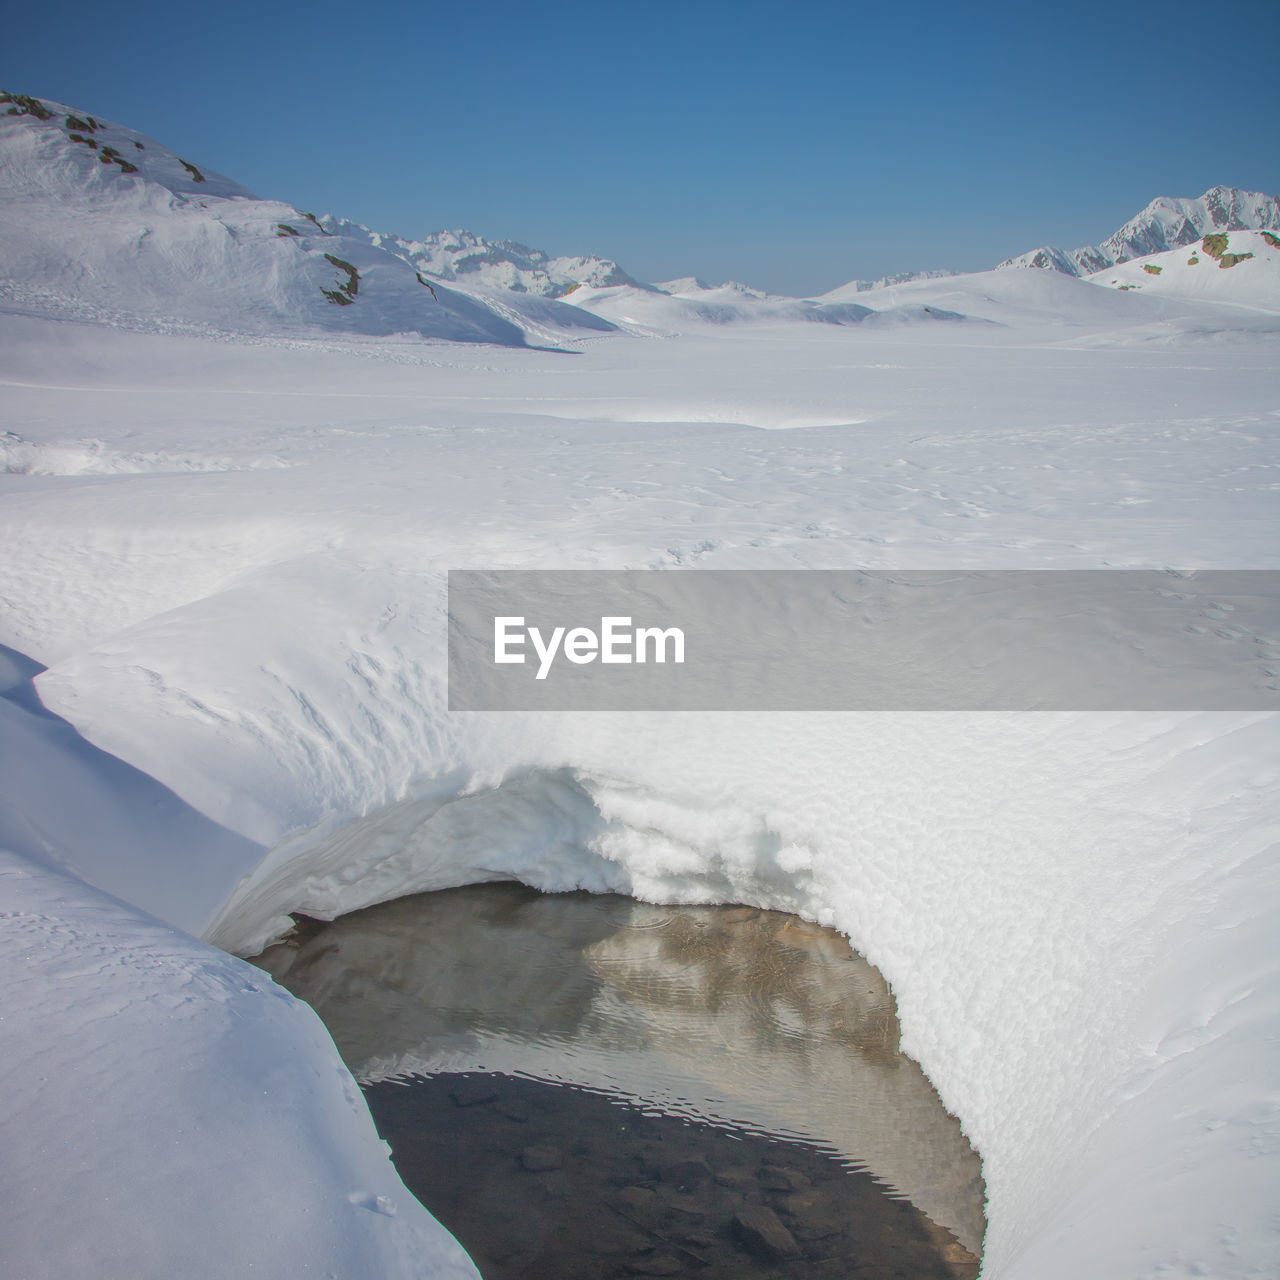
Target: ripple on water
[{"x": 588, "y": 1085}]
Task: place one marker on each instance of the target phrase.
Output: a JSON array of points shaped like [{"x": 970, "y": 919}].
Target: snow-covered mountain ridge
[
  {"x": 898, "y": 277},
  {"x": 502, "y": 264},
  {"x": 103, "y": 223},
  {"x": 1168, "y": 222},
  {"x": 466, "y": 258},
  {"x": 175, "y": 245}
]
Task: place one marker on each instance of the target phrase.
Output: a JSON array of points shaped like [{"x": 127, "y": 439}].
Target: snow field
[{"x": 1070, "y": 908}]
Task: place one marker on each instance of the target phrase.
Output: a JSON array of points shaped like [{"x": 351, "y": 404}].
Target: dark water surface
[{"x": 586, "y": 1086}]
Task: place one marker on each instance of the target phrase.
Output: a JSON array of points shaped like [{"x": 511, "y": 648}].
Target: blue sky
[{"x": 791, "y": 145}]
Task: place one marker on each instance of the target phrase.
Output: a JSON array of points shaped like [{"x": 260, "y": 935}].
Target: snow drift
[{"x": 212, "y": 1076}]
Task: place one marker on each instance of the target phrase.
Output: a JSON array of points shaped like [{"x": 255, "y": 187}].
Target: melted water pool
[{"x": 586, "y": 1085}]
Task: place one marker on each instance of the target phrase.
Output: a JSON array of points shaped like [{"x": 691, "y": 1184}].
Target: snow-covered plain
[{"x": 228, "y": 547}]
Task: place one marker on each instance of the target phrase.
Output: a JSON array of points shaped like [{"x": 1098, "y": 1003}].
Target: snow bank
[
  {"x": 170, "y": 1111},
  {"x": 125, "y": 832}
]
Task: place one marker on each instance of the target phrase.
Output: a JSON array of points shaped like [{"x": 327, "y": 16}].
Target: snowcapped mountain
[
  {"x": 500, "y": 272},
  {"x": 887, "y": 282},
  {"x": 1166, "y": 223},
  {"x": 100, "y": 222},
  {"x": 469, "y": 259},
  {"x": 689, "y": 286}
]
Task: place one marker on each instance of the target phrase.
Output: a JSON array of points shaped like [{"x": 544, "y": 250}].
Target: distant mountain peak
[
  {"x": 1168, "y": 222},
  {"x": 693, "y": 285},
  {"x": 900, "y": 277},
  {"x": 468, "y": 259}
]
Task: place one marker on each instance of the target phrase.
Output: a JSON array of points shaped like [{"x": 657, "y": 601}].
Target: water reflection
[{"x": 728, "y": 1014}]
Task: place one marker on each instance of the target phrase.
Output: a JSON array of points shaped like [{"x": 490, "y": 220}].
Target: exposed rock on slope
[{"x": 1242, "y": 267}]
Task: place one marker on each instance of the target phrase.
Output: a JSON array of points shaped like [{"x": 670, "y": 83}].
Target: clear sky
[{"x": 793, "y": 144}]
